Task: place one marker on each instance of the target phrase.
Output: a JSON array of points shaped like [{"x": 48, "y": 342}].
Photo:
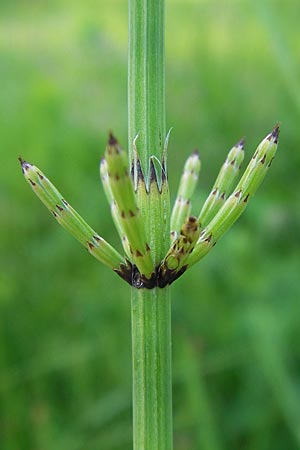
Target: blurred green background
[{"x": 232, "y": 69}]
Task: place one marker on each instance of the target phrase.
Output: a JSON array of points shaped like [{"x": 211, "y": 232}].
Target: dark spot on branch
[
  {"x": 263, "y": 159},
  {"x": 208, "y": 239},
  {"x": 91, "y": 246}
]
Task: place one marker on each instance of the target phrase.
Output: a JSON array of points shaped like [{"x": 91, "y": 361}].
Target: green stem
[
  {"x": 151, "y": 312},
  {"x": 146, "y": 78},
  {"x": 151, "y": 345}
]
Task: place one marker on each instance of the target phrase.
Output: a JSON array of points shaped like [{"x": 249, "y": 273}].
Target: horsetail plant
[{"x": 159, "y": 246}]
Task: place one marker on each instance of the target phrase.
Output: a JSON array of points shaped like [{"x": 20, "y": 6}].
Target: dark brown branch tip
[
  {"x": 24, "y": 164},
  {"x": 275, "y": 133},
  {"x": 21, "y": 160},
  {"x": 112, "y": 140},
  {"x": 241, "y": 143}
]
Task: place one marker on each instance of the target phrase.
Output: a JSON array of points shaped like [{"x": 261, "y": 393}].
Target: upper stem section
[{"x": 146, "y": 79}]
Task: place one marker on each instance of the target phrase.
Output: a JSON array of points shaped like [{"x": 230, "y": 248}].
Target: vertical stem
[
  {"x": 151, "y": 345},
  {"x": 146, "y": 78},
  {"x": 151, "y": 311}
]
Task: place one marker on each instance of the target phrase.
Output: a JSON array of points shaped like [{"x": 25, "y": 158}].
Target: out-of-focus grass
[{"x": 232, "y": 70}]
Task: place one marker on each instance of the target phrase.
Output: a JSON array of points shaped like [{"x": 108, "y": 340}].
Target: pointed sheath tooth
[
  {"x": 142, "y": 196},
  {"x": 124, "y": 196},
  {"x": 164, "y": 175},
  {"x": 156, "y": 215},
  {"x": 140, "y": 175},
  {"x": 69, "y": 218},
  {"x": 153, "y": 176},
  {"x": 187, "y": 185},
  {"x": 223, "y": 183},
  {"x": 165, "y": 211}
]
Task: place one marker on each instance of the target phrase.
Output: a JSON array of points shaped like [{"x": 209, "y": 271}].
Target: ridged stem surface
[
  {"x": 151, "y": 345},
  {"x": 146, "y": 79},
  {"x": 151, "y": 311}
]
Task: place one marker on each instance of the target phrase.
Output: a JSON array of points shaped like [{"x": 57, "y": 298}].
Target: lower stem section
[{"x": 152, "y": 381}]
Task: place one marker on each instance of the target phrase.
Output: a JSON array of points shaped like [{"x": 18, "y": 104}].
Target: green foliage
[{"x": 65, "y": 360}]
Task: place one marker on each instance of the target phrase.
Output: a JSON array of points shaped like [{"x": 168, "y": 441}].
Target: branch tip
[
  {"x": 112, "y": 140},
  {"x": 24, "y": 164},
  {"x": 241, "y": 143},
  {"x": 275, "y": 132}
]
